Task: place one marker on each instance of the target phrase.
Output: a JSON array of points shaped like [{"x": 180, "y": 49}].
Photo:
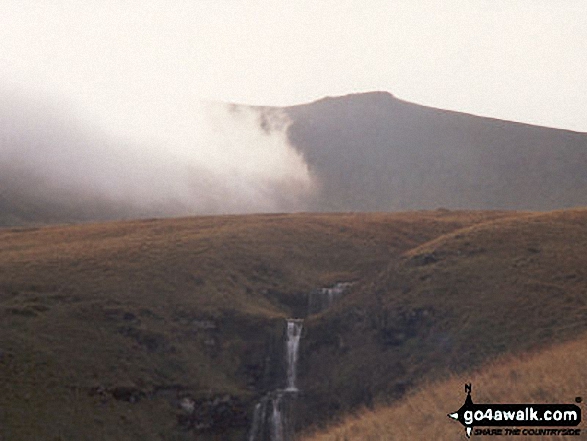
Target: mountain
[
  {"x": 364, "y": 152},
  {"x": 176, "y": 328},
  {"x": 374, "y": 152}
]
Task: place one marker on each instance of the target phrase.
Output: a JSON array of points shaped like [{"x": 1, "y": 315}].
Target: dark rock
[
  {"x": 396, "y": 327},
  {"x": 152, "y": 341},
  {"x": 129, "y": 316},
  {"x": 425, "y": 259},
  {"x": 130, "y": 394},
  {"x": 323, "y": 298},
  {"x": 212, "y": 415}
]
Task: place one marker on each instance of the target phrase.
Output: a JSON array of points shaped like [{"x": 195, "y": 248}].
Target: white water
[
  {"x": 277, "y": 422},
  {"x": 258, "y": 419},
  {"x": 324, "y": 298},
  {"x": 294, "y": 332},
  {"x": 270, "y": 414}
]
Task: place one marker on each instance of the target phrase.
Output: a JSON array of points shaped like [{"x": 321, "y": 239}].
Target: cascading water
[
  {"x": 323, "y": 298},
  {"x": 270, "y": 414},
  {"x": 277, "y": 423},
  {"x": 294, "y": 332},
  {"x": 259, "y": 417}
]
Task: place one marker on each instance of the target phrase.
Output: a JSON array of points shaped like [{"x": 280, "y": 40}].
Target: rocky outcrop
[{"x": 218, "y": 414}]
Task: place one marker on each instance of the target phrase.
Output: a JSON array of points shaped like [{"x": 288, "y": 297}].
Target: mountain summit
[{"x": 374, "y": 152}]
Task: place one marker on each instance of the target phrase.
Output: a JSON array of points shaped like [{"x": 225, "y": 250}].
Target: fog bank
[{"x": 196, "y": 158}]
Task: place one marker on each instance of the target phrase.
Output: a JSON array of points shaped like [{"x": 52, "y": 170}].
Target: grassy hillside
[
  {"x": 170, "y": 329},
  {"x": 553, "y": 375},
  {"x": 449, "y": 305}
]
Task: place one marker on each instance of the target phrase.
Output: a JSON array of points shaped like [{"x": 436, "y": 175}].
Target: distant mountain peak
[{"x": 374, "y": 95}]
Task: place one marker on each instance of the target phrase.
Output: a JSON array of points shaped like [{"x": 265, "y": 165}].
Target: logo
[{"x": 509, "y": 417}]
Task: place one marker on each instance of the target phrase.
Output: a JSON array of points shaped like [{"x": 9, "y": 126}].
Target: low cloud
[{"x": 201, "y": 158}]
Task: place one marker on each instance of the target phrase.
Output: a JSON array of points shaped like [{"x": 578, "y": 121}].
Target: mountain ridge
[
  {"x": 383, "y": 95},
  {"x": 373, "y": 152},
  {"x": 367, "y": 152}
]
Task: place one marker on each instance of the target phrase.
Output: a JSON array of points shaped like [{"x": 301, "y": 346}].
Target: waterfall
[
  {"x": 277, "y": 422},
  {"x": 294, "y": 332},
  {"x": 259, "y": 416},
  {"x": 270, "y": 417},
  {"x": 323, "y": 298}
]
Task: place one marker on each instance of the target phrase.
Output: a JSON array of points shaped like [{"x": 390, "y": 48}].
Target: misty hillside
[
  {"x": 32, "y": 199},
  {"x": 364, "y": 152},
  {"x": 374, "y": 152}
]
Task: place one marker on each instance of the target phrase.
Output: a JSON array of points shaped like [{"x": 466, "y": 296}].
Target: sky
[
  {"x": 520, "y": 60},
  {"x": 117, "y": 96}
]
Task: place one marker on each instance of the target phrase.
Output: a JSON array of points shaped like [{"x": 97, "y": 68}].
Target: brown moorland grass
[
  {"x": 178, "y": 304},
  {"x": 504, "y": 286},
  {"x": 553, "y": 375}
]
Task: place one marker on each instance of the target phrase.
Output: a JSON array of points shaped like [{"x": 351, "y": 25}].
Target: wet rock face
[
  {"x": 304, "y": 304},
  {"x": 396, "y": 328},
  {"x": 273, "y": 417},
  {"x": 357, "y": 357},
  {"x": 130, "y": 394},
  {"x": 323, "y": 298},
  {"x": 212, "y": 415}
]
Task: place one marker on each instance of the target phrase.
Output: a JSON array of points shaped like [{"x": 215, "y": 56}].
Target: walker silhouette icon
[{"x": 459, "y": 414}]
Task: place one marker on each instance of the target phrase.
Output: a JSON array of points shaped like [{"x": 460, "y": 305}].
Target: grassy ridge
[
  {"x": 449, "y": 305},
  {"x": 553, "y": 375},
  {"x": 106, "y": 328}
]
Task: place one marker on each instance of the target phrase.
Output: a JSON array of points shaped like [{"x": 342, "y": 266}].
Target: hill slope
[
  {"x": 449, "y": 305},
  {"x": 374, "y": 152},
  {"x": 170, "y": 329},
  {"x": 27, "y": 199},
  {"x": 553, "y": 375}
]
